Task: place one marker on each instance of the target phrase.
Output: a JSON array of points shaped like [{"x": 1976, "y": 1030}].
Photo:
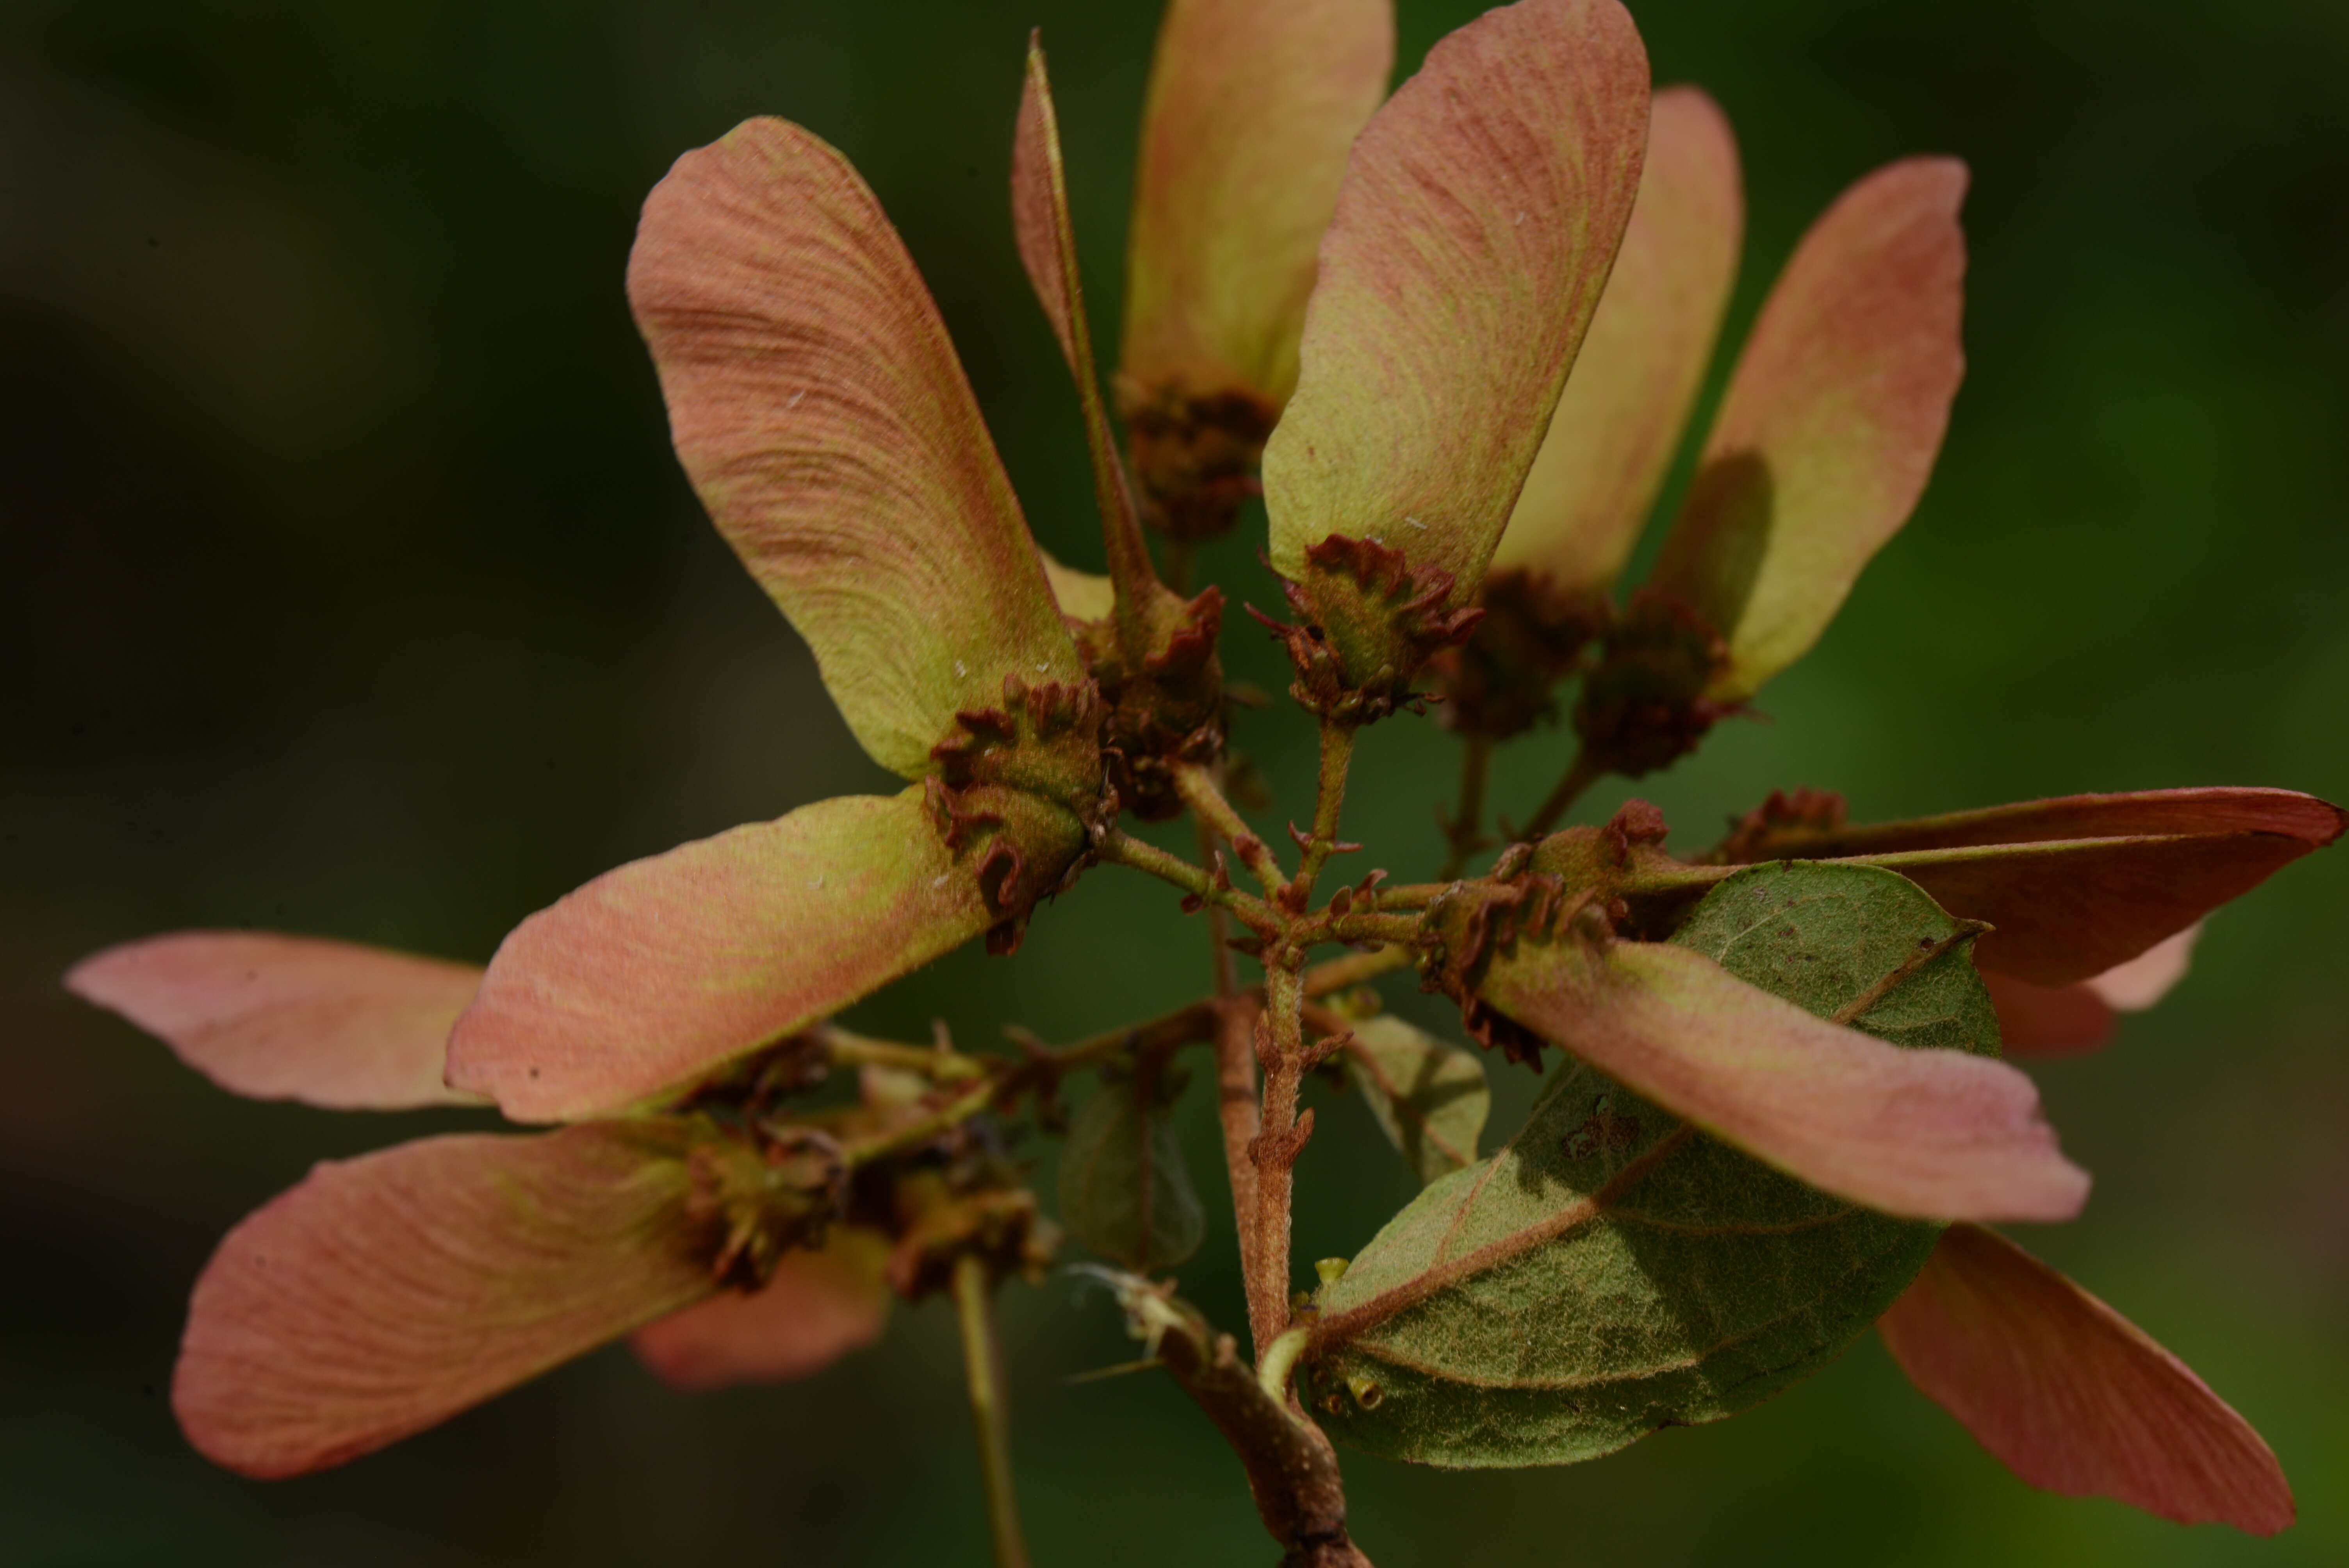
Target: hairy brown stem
[
  {"x": 1292, "y": 1472},
  {"x": 1280, "y": 1136},
  {"x": 1237, "y": 1113}
]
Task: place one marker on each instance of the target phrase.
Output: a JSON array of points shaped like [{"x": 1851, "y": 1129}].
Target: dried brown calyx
[
  {"x": 1587, "y": 884},
  {"x": 1468, "y": 927},
  {"x": 1499, "y": 683},
  {"x": 761, "y": 1197},
  {"x": 1196, "y": 454},
  {"x": 1020, "y": 795},
  {"x": 1782, "y": 823},
  {"x": 1166, "y": 708},
  {"x": 1643, "y": 706},
  {"x": 964, "y": 1208},
  {"x": 1369, "y": 622}
]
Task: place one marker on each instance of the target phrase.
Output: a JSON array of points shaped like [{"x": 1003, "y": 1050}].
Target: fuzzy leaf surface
[
  {"x": 1611, "y": 1270},
  {"x": 1428, "y": 1096},
  {"x": 1124, "y": 1190}
]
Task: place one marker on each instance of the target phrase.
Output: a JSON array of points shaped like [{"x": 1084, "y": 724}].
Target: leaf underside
[
  {"x": 1429, "y": 1097},
  {"x": 1610, "y": 1271},
  {"x": 1125, "y": 1191}
]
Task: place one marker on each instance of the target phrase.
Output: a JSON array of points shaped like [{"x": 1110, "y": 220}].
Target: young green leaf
[
  {"x": 1124, "y": 1190},
  {"x": 1611, "y": 1270},
  {"x": 1430, "y": 1097}
]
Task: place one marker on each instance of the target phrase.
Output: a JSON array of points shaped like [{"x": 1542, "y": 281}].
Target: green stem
[
  {"x": 1579, "y": 778},
  {"x": 921, "y": 1129},
  {"x": 1220, "y": 930},
  {"x": 1279, "y": 1359},
  {"x": 983, "y": 1361},
  {"x": 1328, "y": 797},
  {"x": 1120, "y": 848},
  {"x": 1355, "y": 969},
  {"x": 1155, "y": 1037},
  {"x": 847, "y": 1050},
  {"x": 1215, "y": 812},
  {"x": 1396, "y": 930}
]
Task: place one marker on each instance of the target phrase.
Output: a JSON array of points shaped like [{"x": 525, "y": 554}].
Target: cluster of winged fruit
[{"x": 1453, "y": 336}]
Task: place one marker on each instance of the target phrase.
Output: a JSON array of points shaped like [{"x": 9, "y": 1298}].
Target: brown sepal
[
  {"x": 1593, "y": 883},
  {"x": 1021, "y": 795},
  {"x": 1367, "y": 623},
  {"x": 1806, "y": 809},
  {"x": 1279, "y": 1151},
  {"x": 1166, "y": 708},
  {"x": 942, "y": 1215},
  {"x": 1468, "y": 924},
  {"x": 1196, "y": 454},
  {"x": 1499, "y": 682},
  {"x": 760, "y": 1202},
  {"x": 1643, "y": 706}
]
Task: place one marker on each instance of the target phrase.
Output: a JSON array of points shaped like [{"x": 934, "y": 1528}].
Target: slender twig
[
  {"x": 847, "y": 1050},
  {"x": 1464, "y": 832},
  {"x": 1328, "y": 798},
  {"x": 1120, "y": 848},
  {"x": 1355, "y": 969},
  {"x": 1292, "y": 1472},
  {"x": 1198, "y": 1021},
  {"x": 1220, "y": 930},
  {"x": 1238, "y": 1116},
  {"x": 921, "y": 1129},
  {"x": 1579, "y": 778},
  {"x": 1168, "y": 1031},
  {"x": 1280, "y": 1050},
  {"x": 1205, "y": 798},
  {"x": 982, "y": 1357},
  {"x": 1407, "y": 896},
  {"x": 1182, "y": 556}
]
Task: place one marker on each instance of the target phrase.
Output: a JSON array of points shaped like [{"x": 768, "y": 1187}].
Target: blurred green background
[{"x": 350, "y": 587}]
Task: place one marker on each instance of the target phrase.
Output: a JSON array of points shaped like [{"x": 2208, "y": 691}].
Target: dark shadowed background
[{"x": 347, "y": 585}]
